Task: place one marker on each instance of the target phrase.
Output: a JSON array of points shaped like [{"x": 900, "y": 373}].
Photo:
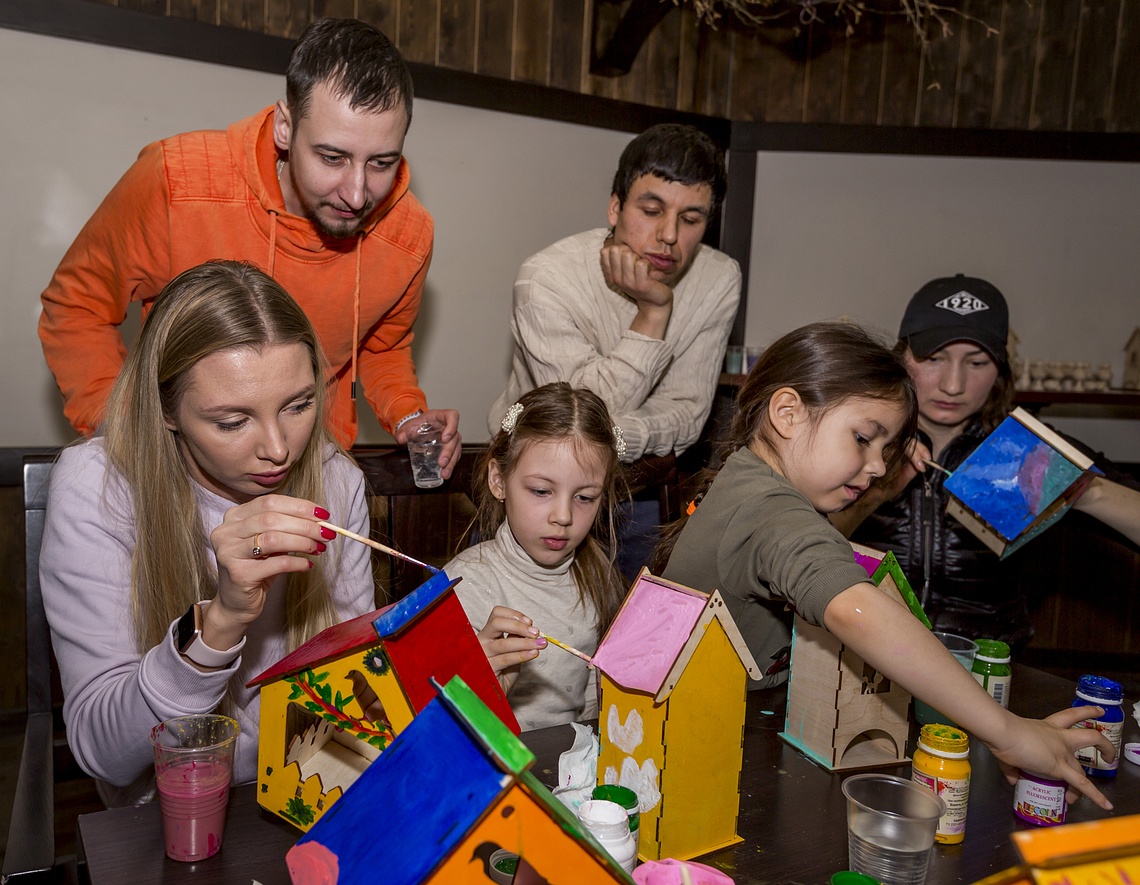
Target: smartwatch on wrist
[{"x": 188, "y": 640}]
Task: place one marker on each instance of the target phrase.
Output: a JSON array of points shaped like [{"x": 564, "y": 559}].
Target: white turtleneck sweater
[{"x": 556, "y": 687}]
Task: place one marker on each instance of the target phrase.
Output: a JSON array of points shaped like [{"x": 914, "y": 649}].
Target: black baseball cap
[{"x": 957, "y": 308}]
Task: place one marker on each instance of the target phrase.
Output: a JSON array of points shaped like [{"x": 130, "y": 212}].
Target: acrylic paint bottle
[
  {"x": 992, "y": 670},
  {"x": 942, "y": 765},
  {"x": 1039, "y": 800},
  {"x": 1097, "y": 691},
  {"x": 609, "y": 824}
]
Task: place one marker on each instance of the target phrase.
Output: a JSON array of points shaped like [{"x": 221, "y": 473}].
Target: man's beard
[{"x": 341, "y": 230}]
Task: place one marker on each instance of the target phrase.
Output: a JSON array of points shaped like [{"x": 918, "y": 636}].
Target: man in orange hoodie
[{"x": 313, "y": 190}]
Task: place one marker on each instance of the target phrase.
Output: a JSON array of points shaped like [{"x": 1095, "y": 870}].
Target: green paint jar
[
  {"x": 992, "y": 670},
  {"x": 623, "y": 796}
]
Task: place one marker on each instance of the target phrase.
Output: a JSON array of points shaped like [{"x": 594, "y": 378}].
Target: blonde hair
[
  {"x": 559, "y": 412},
  {"x": 214, "y": 307}
]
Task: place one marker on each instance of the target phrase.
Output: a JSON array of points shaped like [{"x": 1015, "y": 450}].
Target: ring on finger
[{"x": 257, "y": 545}]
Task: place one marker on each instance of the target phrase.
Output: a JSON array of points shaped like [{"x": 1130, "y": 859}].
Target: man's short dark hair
[
  {"x": 356, "y": 60},
  {"x": 672, "y": 152}
]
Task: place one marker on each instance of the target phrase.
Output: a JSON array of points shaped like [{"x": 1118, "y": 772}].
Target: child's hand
[
  {"x": 1047, "y": 746},
  {"x": 509, "y": 639}
]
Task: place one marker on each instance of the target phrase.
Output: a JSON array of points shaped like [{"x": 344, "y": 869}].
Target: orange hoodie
[{"x": 214, "y": 194}]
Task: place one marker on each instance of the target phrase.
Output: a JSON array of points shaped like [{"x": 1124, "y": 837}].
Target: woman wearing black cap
[{"x": 953, "y": 337}]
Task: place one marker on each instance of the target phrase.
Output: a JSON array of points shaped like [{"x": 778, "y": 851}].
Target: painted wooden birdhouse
[
  {"x": 316, "y": 737},
  {"x": 1020, "y": 480},
  {"x": 674, "y": 673},
  {"x": 842, "y": 713},
  {"x": 454, "y": 788}
]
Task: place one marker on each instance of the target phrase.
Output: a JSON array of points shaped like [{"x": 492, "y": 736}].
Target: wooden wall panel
[
  {"x": 902, "y": 59},
  {"x": 1054, "y": 65},
  {"x": 863, "y": 82},
  {"x": 977, "y": 66},
  {"x": 532, "y": 42},
  {"x": 1013, "y": 79},
  {"x": 1096, "y": 52},
  {"x": 385, "y": 14},
  {"x": 458, "y": 27},
  {"x": 419, "y": 31},
  {"x": 825, "y": 75},
  {"x": 1056, "y": 44},
  {"x": 496, "y": 27},
  {"x": 662, "y": 61},
  {"x": 1125, "y": 114},
  {"x": 568, "y": 44},
  {"x": 287, "y": 18}
]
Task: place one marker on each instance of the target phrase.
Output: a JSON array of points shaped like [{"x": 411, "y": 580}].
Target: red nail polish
[
  {"x": 327, "y": 534},
  {"x": 310, "y": 563},
  {"x": 321, "y": 548},
  {"x": 320, "y": 513}
]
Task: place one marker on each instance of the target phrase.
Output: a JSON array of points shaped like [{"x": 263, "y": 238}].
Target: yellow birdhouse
[
  {"x": 674, "y": 673},
  {"x": 315, "y": 736},
  {"x": 843, "y": 713}
]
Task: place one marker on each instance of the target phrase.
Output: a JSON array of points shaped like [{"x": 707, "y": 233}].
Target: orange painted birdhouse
[
  {"x": 316, "y": 737},
  {"x": 674, "y": 673},
  {"x": 842, "y": 713},
  {"x": 453, "y": 789}
]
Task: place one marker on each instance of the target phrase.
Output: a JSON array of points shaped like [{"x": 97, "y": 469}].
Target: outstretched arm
[
  {"x": 1115, "y": 505},
  {"x": 889, "y": 638}
]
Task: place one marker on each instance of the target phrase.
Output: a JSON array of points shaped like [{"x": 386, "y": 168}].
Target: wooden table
[{"x": 792, "y": 813}]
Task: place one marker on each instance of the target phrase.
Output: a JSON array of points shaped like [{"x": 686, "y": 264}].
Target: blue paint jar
[{"x": 1098, "y": 691}]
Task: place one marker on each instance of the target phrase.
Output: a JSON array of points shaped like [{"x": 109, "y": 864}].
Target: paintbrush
[
  {"x": 378, "y": 546},
  {"x": 936, "y": 466},
  {"x": 562, "y": 645}
]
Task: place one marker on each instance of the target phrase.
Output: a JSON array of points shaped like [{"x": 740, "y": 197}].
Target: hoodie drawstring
[
  {"x": 272, "y": 241},
  {"x": 356, "y": 311}
]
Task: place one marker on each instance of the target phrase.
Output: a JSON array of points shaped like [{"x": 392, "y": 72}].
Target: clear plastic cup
[
  {"x": 193, "y": 763},
  {"x": 964, "y": 651},
  {"x": 891, "y": 824},
  {"x": 425, "y": 443}
]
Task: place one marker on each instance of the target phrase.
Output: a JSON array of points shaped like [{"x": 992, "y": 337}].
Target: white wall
[
  {"x": 75, "y": 116},
  {"x": 851, "y": 234}
]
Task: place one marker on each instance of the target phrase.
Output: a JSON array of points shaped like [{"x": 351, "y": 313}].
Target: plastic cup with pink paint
[{"x": 193, "y": 763}]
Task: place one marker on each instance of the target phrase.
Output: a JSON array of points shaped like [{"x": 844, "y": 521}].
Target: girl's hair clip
[
  {"x": 619, "y": 440},
  {"x": 512, "y": 417}
]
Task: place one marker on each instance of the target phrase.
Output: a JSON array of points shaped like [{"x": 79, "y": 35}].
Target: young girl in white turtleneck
[{"x": 548, "y": 510}]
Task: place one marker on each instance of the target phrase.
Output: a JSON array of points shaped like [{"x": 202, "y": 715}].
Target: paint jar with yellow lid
[{"x": 941, "y": 765}]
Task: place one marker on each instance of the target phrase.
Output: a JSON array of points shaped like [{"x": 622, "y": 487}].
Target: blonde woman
[{"x": 182, "y": 553}]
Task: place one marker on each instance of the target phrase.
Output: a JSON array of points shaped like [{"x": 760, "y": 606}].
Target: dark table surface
[{"x": 792, "y": 812}]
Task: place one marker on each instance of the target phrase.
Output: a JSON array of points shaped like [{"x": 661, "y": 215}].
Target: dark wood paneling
[
  {"x": 787, "y": 75},
  {"x": 195, "y": 10},
  {"x": 287, "y": 18},
  {"x": 1058, "y": 65},
  {"x": 825, "y": 78},
  {"x": 246, "y": 14},
  {"x": 1056, "y": 43},
  {"x": 567, "y": 43},
  {"x": 1013, "y": 80},
  {"x": 977, "y": 64},
  {"x": 532, "y": 41},
  {"x": 1096, "y": 50},
  {"x": 419, "y": 27},
  {"x": 939, "y": 80},
  {"x": 864, "y": 78},
  {"x": 496, "y": 25},
  {"x": 662, "y": 61},
  {"x": 902, "y": 56},
  {"x": 458, "y": 26},
  {"x": 384, "y": 14},
  {"x": 1126, "y": 85}
]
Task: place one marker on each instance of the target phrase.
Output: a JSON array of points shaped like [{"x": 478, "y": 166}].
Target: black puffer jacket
[{"x": 965, "y": 588}]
